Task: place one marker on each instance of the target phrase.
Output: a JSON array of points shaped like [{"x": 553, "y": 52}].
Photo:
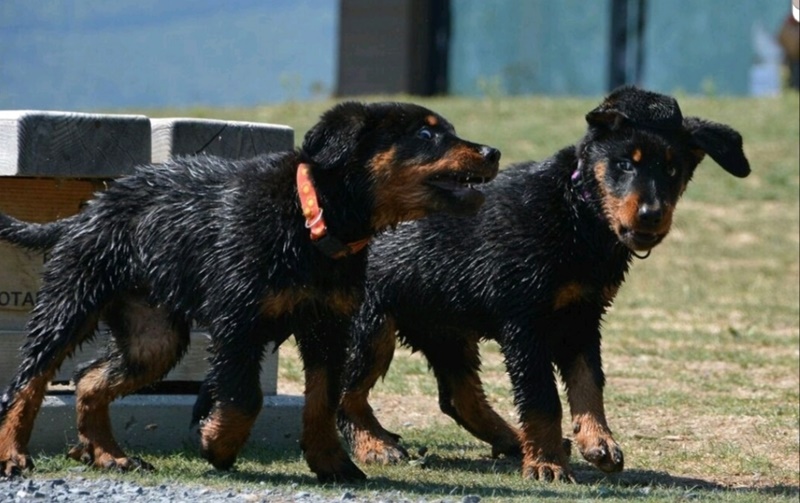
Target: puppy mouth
[
  {"x": 639, "y": 240},
  {"x": 457, "y": 193},
  {"x": 457, "y": 182}
]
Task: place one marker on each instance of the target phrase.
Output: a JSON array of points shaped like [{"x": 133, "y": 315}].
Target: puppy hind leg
[
  {"x": 369, "y": 441},
  {"x": 146, "y": 346},
  {"x": 461, "y": 394},
  {"x": 42, "y": 355}
]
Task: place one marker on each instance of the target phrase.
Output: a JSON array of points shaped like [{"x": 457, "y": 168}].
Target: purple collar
[{"x": 577, "y": 182}]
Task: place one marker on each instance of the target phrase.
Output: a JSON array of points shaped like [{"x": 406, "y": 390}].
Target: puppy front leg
[
  {"x": 584, "y": 382},
  {"x": 233, "y": 392},
  {"x": 323, "y": 350},
  {"x": 529, "y": 365},
  {"x": 371, "y": 351}
]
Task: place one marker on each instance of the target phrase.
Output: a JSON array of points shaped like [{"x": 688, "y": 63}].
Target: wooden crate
[{"x": 52, "y": 162}]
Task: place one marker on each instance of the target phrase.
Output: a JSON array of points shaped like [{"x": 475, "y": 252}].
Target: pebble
[{"x": 81, "y": 489}]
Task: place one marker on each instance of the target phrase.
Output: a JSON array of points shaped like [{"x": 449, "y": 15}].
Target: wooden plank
[
  {"x": 33, "y": 200},
  {"x": 44, "y": 143},
  {"x": 193, "y": 366},
  {"x": 45, "y": 199},
  {"x": 173, "y": 137}
]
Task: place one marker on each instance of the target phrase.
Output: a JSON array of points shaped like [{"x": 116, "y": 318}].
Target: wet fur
[
  {"x": 223, "y": 244},
  {"x": 536, "y": 271}
]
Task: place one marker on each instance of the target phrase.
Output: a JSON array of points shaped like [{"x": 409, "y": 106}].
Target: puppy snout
[
  {"x": 490, "y": 154},
  {"x": 650, "y": 215}
]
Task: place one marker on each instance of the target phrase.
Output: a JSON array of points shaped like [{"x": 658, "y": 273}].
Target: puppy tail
[{"x": 33, "y": 236}]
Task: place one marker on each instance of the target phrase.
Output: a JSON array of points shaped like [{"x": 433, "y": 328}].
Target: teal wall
[
  {"x": 705, "y": 46},
  {"x": 561, "y": 47}
]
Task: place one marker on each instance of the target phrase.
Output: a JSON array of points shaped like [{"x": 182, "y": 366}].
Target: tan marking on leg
[
  {"x": 568, "y": 294},
  {"x": 543, "y": 456},
  {"x": 370, "y": 442},
  {"x": 479, "y": 418},
  {"x": 17, "y": 427},
  {"x": 591, "y": 430},
  {"x": 97, "y": 445},
  {"x": 320, "y": 439},
  {"x": 152, "y": 349},
  {"x": 224, "y": 433}
]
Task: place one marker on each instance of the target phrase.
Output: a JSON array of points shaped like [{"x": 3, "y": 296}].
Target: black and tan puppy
[
  {"x": 255, "y": 250},
  {"x": 536, "y": 271}
]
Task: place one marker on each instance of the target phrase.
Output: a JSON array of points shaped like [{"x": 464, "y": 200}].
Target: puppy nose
[
  {"x": 650, "y": 214},
  {"x": 490, "y": 154}
]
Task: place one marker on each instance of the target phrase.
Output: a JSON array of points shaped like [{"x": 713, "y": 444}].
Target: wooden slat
[
  {"x": 228, "y": 139},
  {"x": 69, "y": 144}
]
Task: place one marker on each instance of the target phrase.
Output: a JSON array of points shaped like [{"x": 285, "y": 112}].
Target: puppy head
[
  {"x": 406, "y": 157},
  {"x": 641, "y": 153}
]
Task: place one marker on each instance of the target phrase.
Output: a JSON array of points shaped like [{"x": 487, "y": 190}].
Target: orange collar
[{"x": 316, "y": 224}]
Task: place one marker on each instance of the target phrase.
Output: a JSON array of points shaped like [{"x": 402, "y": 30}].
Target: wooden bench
[{"x": 50, "y": 164}]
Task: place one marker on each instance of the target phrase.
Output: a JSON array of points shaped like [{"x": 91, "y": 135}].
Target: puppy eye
[
  {"x": 671, "y": 171},
  {"x": 425, "y": 134},
  {"x": 625, "y": 165}
]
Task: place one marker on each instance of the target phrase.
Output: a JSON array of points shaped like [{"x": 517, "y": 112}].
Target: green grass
[{"x": 700, "y": 348}]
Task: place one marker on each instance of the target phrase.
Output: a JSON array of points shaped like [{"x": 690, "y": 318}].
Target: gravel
[{"x": 80, "y": 489}]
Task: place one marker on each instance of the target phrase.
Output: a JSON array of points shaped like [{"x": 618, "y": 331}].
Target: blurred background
[{"x": 96, "y": 54}]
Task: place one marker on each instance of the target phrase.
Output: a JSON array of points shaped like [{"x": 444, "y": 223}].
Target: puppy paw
[
  {"x": 604, "y": 453},
  {"x": 338, "y": 469},
  {"x": 97, "y": 458},
  {"x": 548, "y": 471},
  {"x": 14, "y": 463},
  {"x": 385, "y": 450}
]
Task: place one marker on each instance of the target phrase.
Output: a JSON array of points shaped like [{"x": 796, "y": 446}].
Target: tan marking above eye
[
  {"x": 431, "y": 120},
  {"x": 636, "y": 156}
]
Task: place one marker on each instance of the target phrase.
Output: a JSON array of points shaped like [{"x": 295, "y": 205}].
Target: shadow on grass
[{"x": 633, "y": 483}]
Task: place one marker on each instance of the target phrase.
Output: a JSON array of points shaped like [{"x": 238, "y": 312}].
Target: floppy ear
[
  {"x": 606, "y": 117},
  {"x": 722, "y": 143},
  {"x": 334, "y": 138},
  {"x": 640, "y": 108}
]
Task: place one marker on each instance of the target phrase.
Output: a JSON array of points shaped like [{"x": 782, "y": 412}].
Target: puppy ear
[
  {"x": 722, "y": 143},
  {"x": 606, "y": 117},
  {"x": 332, "y": 141},
  {"x": 639, "y": 108}
]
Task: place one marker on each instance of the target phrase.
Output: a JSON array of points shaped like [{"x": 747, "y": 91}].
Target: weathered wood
[
  {"x": 45, "y": 199},
  {"x": 33, "y": 200},
  {"x": 232, "y": 140},
  {"x": 67, "y": 144},
  {"x": 78, "y": 154}
]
